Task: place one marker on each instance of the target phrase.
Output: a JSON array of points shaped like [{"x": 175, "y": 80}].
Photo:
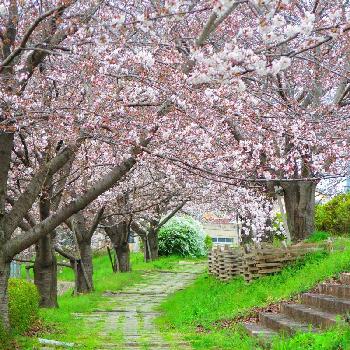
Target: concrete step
[
  {"x": 258, "y": 330},
  {"x": 345, "y": 277},
  {"x": 325, "y": 302},
  {"x": 337, "y": 290},
  {"x": 283, "y": 323},
  {"x": 309, "y": 315}
]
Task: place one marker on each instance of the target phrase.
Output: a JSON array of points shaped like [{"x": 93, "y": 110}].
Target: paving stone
[{"x": 132, "y": 311}]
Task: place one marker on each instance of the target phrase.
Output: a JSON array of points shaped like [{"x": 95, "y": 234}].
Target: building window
[{"x": 222, "y": 240}]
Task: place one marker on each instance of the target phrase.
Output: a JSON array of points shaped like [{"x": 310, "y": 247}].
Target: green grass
[
  {"x": 318, "y": 236},
  {"x": 103, "y": 269},
  {"x": 337, "y": 338},
  {"x": 66, "y": 328},
  {"x": 209, "y": 301}
]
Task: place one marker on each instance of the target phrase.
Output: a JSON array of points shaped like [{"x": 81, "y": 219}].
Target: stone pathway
[
  {"x": 63, "y": 287},
  {"x": 128, "y": 320}
]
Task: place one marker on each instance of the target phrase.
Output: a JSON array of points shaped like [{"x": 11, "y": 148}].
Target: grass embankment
[
  {"x": 200, "y": 311},
  {"x": 65, "y": 327}
]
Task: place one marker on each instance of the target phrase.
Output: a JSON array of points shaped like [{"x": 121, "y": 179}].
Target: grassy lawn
[
  {"x": 66, "y": 327},
  {"x": 196, "y": 311}
]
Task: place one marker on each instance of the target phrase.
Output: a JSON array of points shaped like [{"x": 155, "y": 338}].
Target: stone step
[
  {"x": 325, "y": 302},
  {"x": 258, "y": 330},
  {"x": 309, "y": 315},
  {"x": 337, "y": 290},
  {"x": 283, "y": 323},
  {"x": 345, "y": 277}
]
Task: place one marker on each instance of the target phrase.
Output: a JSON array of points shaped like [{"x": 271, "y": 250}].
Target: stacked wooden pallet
[
  {"x": 230, "y": 263},
  {"x": 262, "y": 262},
  {"x": 227, "y": 262},
  {"x": 212, "y": 261},
  {"x": 266, "y": 260}
]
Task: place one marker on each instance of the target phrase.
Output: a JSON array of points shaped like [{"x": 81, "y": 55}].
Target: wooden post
[{"x": 111, "y": 259}]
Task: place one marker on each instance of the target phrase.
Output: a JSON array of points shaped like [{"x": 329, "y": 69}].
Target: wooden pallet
[{"x": 227, "y": 262}]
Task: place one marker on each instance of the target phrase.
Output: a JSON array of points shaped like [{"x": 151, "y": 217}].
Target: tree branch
[
  {"x": 169, "y": 216},
  {"x": 28, "y": 197},
  {"x": 28, "y": 33},
  {"x": 141, "y": 231},
  {"x": 96, "y": 221},
  {"x": 23, "y": 241},
  {"x": 65, "y": 254},
  {"x": 11, "y": 29}
]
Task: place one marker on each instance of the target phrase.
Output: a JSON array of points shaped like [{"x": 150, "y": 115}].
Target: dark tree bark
[
  {"x": 45, "y": 272},
  {"x": 84, "y": 274},
  {"x": 123, "y": 257},
  {"x": 149, "y": 232},
  {"x": 119, "y": 235},
  {"x": 4, "y": 277},
  {"x": 82, "y": 267},
  {"x": 6, "y": 143},
  {"x": 151, "y": 245},
  {"x": 83, "y": 234},
  {"x": 299, "y": 198},
  {"x": 45, "y": 265}
]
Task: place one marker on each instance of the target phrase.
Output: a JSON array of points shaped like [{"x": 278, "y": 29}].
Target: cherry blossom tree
[
  {"x": 246, "y": 93},
  {"x": 29, "y": 36},
  {"x": 265, "y": 86}
]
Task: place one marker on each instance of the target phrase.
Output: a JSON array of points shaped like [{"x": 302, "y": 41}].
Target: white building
[{"x": 222, "y": 231}]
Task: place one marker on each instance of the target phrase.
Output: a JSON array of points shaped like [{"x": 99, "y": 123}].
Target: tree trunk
[
  {"x": 123, "y": 257},
  {"x": 4, "y": 277},
  {"x": 151, "y": 246},
  {"x": 45, "y": 272},
  {"x": 299, "y": 198},
  {"x": 119, "y": 236},
  {"x": 6, "y": 146},
  {"x": 84, "y": 280}
]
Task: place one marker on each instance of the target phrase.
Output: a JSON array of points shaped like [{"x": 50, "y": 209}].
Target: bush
[
  {"x": 182, "y": 236},
  {"x": 334, "y": 216},
  {"x": 208, "y": 242},
  {"x": 23, "y": 304}
]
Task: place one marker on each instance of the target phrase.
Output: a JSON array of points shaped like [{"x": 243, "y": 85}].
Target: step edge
[
  {"x": 304, "y": 307},
  {"x": 326, "y": 296}
]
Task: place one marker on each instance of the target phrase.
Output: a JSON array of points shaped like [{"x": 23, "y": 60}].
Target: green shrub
[
  {"x": 208, "y": 242},
  {"x": 318, "y": 236},
  {"x": 5, "y": 340},
  {"x": 334, "y": 216},
  {"x": 23, "y": 304},
  {"x": 182, "y": 236}
]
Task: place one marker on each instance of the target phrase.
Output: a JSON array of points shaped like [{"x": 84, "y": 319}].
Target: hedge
[{"x": 23, "y": 304}]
